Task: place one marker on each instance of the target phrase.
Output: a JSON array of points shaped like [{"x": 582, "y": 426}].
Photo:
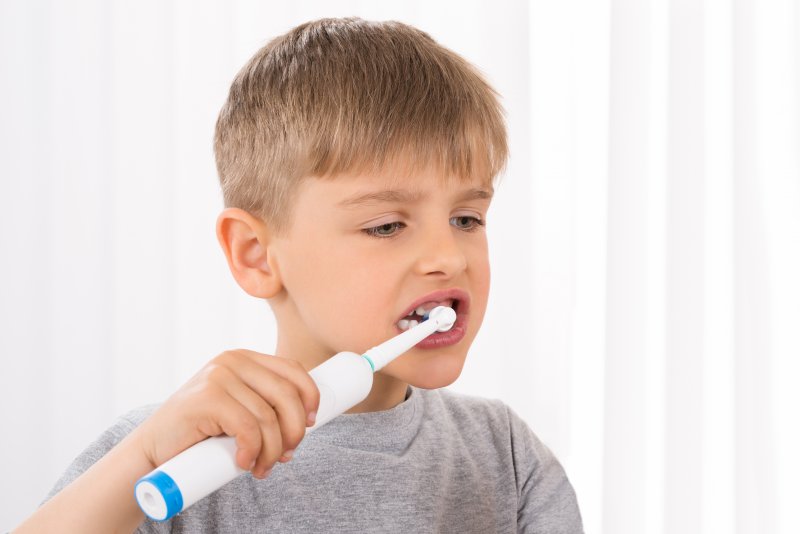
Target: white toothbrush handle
[{"x": 343, "y": 381}]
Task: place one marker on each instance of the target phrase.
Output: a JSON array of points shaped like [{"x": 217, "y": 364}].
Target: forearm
[{"x": 100, "y": 500}]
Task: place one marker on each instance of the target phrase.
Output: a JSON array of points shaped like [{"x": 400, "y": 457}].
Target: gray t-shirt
[{"x": 437, "y": 462}]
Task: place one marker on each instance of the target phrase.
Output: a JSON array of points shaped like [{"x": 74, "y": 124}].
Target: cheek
[
  {"x": 481, "y": 280},
  {"x": 365, "y": 288},
  {"x": 341, "y": 294},
  {"x": 479, "y": 264}
]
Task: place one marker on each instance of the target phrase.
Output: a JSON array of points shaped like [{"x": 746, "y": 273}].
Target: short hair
[{"x": 347, "y": 95}]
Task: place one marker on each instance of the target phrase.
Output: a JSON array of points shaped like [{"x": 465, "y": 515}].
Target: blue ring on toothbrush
[
  {"x": 371, "y": 363},
  {"x": 168, "y": 489}
]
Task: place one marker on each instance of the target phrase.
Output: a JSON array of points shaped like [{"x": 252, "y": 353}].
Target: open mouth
[
  {"x": 455, "y": 298},
  {"x": 418, "y": 314}
]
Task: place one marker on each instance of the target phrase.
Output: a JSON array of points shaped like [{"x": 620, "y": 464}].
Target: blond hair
[{"x": 347, "y": 95}]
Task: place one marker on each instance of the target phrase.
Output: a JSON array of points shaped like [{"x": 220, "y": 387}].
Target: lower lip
[{"x": 445, "y": 339}]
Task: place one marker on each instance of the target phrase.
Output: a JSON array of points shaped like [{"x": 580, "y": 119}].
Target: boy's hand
[{"x": 264, "y": 401}]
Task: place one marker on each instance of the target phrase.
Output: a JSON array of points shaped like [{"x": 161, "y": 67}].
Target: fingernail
[
  {"x": 287, "y": 455},
  {"x": 311, "y": 417}
]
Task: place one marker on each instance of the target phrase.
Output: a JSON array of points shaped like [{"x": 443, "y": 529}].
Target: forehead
[{"x": 399, "y": 184}]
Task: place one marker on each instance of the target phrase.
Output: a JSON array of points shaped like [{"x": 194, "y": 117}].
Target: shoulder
[
  {"x": 489, "y": 423},
  {"x": 470, "y": 409},
  {"x": 492, "y": 423},
  {"x": 492, "y": 414},
  {"x": 506, "y": 429}
]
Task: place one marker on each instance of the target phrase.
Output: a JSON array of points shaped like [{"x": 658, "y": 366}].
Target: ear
[{"x": 245, "y": 241}]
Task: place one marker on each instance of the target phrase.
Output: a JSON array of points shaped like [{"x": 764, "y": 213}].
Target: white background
[{"x": 646, "y": 236}]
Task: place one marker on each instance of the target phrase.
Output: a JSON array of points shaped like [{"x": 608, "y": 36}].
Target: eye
[
  {"x": 467, "y": 222},
  {"x": 384, "y": 230}
]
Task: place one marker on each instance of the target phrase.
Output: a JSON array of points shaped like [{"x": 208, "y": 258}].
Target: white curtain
[{"x": 645, "y": 307}]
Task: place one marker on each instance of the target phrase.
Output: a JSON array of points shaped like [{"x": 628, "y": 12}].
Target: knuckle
[
  {"x": 231, "y": 357},
  {"x": 285, "y": 389},
  {"x": 248, "y": 426},
  {"x": 221, "y": 358},
  {"x": 263, "y": 412},
  {"x": 205, "y": 391},
  {"x": 267, "y": 416},
  {"x": 217, "y": 372},
  {"x": 293, "y": 436}
]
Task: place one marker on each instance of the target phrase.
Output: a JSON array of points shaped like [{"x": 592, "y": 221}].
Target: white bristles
[{"x": 446, "y": 317}]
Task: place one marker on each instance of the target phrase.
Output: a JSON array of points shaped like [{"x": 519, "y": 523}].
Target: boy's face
[{"x": 362, "y": 251}]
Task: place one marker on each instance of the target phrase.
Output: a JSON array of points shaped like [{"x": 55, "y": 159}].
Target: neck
[{"x": 386, "y": 393}]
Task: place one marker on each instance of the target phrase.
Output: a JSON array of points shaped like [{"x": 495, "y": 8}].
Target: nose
[{"x": 440, "y": 254}]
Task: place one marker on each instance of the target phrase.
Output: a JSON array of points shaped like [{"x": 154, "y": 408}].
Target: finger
[
  {"x": 234, "y": 419},
  {"x": 272, "y": 446},
  {"x": 293, "y": 371},
  {"x": 280, "y": 393}
]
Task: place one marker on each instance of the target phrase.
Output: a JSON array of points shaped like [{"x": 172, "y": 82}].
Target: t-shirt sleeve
[
  {"x": 547, "y": 501},
  {"x": 97, "y": 449}
]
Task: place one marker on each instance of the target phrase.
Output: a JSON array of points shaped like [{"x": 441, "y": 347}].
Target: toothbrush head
[
  {"x": 439, "y": 319},
  {"x": 446, "y": 317}
]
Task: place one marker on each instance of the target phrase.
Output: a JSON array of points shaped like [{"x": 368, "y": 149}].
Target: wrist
[{"x": 136, "y": 450}]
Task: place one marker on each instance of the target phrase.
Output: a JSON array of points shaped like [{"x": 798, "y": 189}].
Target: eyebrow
[{"x": 402, "y": 196}]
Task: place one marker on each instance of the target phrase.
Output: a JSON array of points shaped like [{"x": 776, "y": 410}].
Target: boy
[{"x": 356, "y": 161}]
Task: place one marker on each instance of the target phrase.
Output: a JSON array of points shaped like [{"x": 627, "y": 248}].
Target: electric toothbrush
[{"x": 344, "y": 380}]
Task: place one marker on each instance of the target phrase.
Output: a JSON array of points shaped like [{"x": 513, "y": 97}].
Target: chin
[{"x": 434, "y": 374}]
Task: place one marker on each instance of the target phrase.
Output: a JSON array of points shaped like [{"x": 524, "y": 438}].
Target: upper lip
[{"x": 443, "y": 294}]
